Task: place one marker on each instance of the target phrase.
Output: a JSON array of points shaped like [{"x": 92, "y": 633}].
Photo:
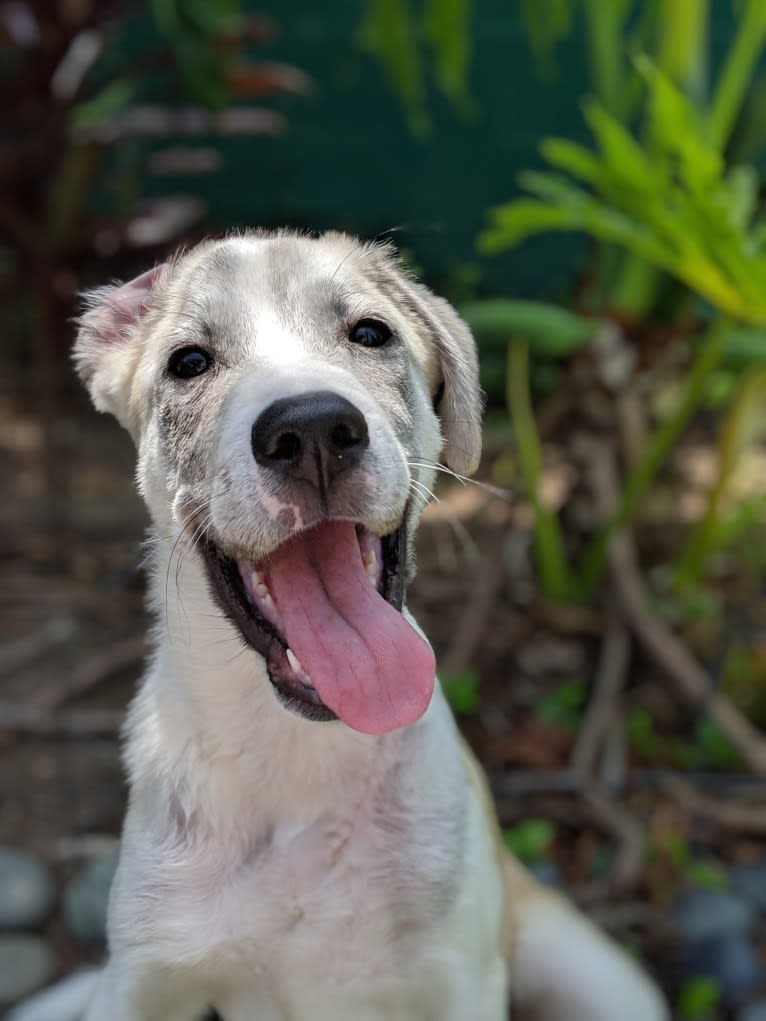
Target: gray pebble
[
  {"x": 701, "y": 915},
  {"x": 729, "y": 959},
  {"x": 26, "y": 890},
  {"x": 26, "y": 964},
  {"x": 754, "y": 1012},
  {"x": 86, "y": 898},
  {"x": 750, "y": 882},
  {"x": 546, "y": 872}
]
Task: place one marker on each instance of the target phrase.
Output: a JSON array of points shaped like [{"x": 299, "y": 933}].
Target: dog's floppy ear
[
  {"x": 459, "y": 399},
  {"x": 102, "y": 354},
  {"x": 458, "y": 396}
]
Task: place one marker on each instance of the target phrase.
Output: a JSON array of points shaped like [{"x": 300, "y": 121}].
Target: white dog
[{"x": 307, "y": 837}]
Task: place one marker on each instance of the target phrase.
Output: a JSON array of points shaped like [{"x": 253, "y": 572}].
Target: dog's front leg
[
  {"x": 130, "y": 992},
  {"x": 565, "y": 969}
]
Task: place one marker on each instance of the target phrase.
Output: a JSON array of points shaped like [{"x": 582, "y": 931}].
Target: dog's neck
[{"x": 207, "y": 725}]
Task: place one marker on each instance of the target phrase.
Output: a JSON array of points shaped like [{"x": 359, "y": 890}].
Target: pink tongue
[{"x": 367, "y": 663}]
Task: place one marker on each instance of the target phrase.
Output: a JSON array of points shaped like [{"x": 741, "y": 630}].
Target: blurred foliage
[
  {"x": 89, "y": 81},
  {"x": 530, "y": 840},
  {"x": 708, "y": 748},
  {"x": 698, "y": 998},
  {"x": 98, "y": 77},
  {"x": 409, "y": 40},
  {"x": 546, "y": 25},
  {"x": 462, "y": 692},
  {"x": 553, "y": 332},
  {"x": 563, "y": 707},
  {"x": 674, "y": 203},
  {"x": 672, "y": 850},
  {"x": 744, "y": 670},
  {"x": 664, "y": 204},
  {"x": 192, "y": 28},
  {"x": 555, "y": 576}
]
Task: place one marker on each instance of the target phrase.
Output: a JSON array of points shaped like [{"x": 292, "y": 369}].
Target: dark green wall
[{"x": 350, "y": 161}]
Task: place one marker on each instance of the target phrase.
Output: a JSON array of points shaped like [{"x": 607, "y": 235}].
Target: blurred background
[{"x": 584, "y": 180}]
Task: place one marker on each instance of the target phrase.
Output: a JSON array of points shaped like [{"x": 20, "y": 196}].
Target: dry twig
[
  {"x": 723, "y": 812},
  {"x": 602, "y": 709},
  {"x": 93, "y": 671},
  {"x": 16, "y": 719},
  {"x": 667, "y": 650},
  {"x": 475, "y": 620},
  {"x": 29, "y": 648},
  {"x": 628, "y": 835}
]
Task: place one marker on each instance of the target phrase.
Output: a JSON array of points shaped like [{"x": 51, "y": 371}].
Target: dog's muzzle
[{"x": 324, "y": 608}]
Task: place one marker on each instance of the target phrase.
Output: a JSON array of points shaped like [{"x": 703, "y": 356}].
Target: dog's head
[{"x": 289, "y": 398}]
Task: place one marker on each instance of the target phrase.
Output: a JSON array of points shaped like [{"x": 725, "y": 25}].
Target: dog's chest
[{"x": 343, "y": 898}]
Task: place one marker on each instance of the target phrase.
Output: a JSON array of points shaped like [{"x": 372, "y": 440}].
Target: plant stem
[
  {"x": 549, "y": 542},
  {"x": 606, "y": 57},
  {"x": 608, "y": 83},
  {"x": 737, "y": 72},
  {"x": 732, "y": 440},
  {"x": 633, "y": 292},
  {"x": 681, "y": 47},
  {"x": 680, "y": 53},
  {"x": 656, "y": 453}
]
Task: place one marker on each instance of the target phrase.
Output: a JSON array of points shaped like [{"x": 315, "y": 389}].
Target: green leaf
[
  {"x": 678, "y": 130},
  {"x": 546, "y": 24},
  {"x": 562, "y": 708},
  {"x": 448, "y": 28},
  {"x": 642, "y": 734},
  {"x": 745, "y": 346},
  {"x": 462, "y": 692},
  {"x": 550, "y": 331},
  {"x": 572, "y": 157},
  {"x": 670, "y": 201},
  {"x": 698, "y": 998},
  {"x": 706, "y": 874},
  {"x": 620, "y": 152},
  {"x": 389, "y": 33},
  {"x": 716, "y": 748},
  {"x": 529, "y": 840},
  {"x": 674, "y": 847},
  {"x": 166, "y": 16},
  {"x": 113, "y": 99},
  {"x": 192, "y": 29},
  {"x": 518, "y": 220}
]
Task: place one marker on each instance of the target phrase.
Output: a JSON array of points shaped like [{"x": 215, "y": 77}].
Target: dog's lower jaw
[{"x": 207, "y": 706}]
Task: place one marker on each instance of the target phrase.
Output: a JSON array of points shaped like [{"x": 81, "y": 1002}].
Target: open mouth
[{"x": 324, "y": 611}]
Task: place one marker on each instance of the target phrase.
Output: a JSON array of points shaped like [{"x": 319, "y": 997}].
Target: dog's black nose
[{"x": 314, "y": 437}]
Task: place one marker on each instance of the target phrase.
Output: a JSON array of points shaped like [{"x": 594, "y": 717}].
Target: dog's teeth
[
  {"x": 260, "y": 589},
  {"x": 370, "y": 561},
  {"x": 297, "y": 669},
  {"x": 294, "y": 662}
]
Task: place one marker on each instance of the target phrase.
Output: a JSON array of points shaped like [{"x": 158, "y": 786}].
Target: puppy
[{"x": 307, "y": 836}]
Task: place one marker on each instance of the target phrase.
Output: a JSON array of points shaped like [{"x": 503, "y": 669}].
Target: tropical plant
[
  {"x": 666, "y": 201},
  {"x": 103, "y": 87}
]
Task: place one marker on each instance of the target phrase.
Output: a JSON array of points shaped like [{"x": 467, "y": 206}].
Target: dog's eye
[
  {"x": 370, "y": 333},
  {"x": 188, "y": 362}
]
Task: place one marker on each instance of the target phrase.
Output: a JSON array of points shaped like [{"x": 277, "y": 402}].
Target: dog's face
[{"x": 286, "y": 396}]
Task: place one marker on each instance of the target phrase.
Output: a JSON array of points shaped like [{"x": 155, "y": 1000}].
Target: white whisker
[{"x": 501, "y": 492}]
